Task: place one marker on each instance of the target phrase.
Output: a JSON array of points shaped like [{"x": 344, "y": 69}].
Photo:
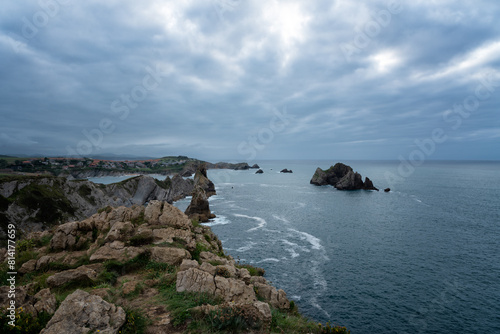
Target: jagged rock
[
  {"x": 351, "y": 181},
  {"x": 186, "y": 264},
  {"x": 28, "y": 266},
  {"x": 173, "y": 217},
  {"x": 80, "y": 274},
  {"x": 341, "y": 177},
  {"x": 170, "y": 255},
  {"x": 46, "y": 301},
  {"x": 201, "y": 180},
  {"x": 369, "y": 185},
  {"x": 77, "y": 200},
  {"x": 230, "y": 289},
  {"x": 195, "y": 280},
  {"x": 277, "y": 298},
  {"x": 199, "y": 208},
  {"x": 82, "y": 313},
  {"x": 260, "y": 171},
  {"x": 211, "y": 257},
  {"x": 116, "y": 251},
  {"x": 286, "y": 171},
  {"x": 44, "y": 261},
  {"x": 120, "y": 231},
  {"x": 64, "y": 236}
]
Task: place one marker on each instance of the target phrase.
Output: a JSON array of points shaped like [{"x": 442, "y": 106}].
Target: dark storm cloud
[{"x": 354, "y": 80}]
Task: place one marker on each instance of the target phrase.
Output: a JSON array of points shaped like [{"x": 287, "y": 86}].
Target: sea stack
[{"x": 342, "y": 177}]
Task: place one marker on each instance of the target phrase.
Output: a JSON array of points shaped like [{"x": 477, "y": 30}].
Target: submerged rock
[{"x": 342, "y": 177}]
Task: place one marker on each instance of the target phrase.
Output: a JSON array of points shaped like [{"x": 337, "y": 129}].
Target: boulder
[
  {"x": 277, "y": 298},
  {"x": 170, "y": 255},
  {"x": 286, "y": 171},
  {"x": 255, "y": 166},
  {"x": 45, "y": 301},
  {"x": 82, "y": 313},
  {"x": 116, "y": 251},
  {"x": 229, "y": 289},
  {"x": 387, "y": 190},
  {"x": 260, "y": 171},
  {"x": 81, "y": 274}
]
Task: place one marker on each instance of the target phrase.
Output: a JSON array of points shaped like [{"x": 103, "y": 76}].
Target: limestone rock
[
  {"x": 201, "y": 180},
  {"x": 28, "y": 266},
  {"x": 82, "y": 313},
  {"x": 277, "y": 298},
  {"x": 120, "y": 231},
  {"x": 199, "y": 207},
  {"x": 80, "y": 274},
  {"x": 173, "y": 217},
  {"x": 170, "y": 255},
  {"x": 46, "y": 301},
  {"x": 195, "y": 280},
  {"x": 116, "y": 251},
  {"x": 186, "y": 264}
]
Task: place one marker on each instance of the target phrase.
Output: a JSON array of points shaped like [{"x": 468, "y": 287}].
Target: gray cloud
[{"x": 223, "y": 69}]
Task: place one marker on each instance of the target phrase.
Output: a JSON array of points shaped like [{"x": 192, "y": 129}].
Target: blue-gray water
[{"x": 424, "y": 258}]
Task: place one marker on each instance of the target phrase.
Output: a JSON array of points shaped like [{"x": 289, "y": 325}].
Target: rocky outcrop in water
[
  {"x": 286, "y": 171},
  {"x": 199, "y": 208},
  {"x": 342, "y": 177},
  {"x": 260, "y": 171}
]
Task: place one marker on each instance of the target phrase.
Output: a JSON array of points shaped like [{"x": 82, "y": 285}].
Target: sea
[{"x": 422, "y": 258}]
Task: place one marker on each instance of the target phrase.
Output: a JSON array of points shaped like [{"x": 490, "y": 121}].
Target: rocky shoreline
[{"x": 149, "y": 264}]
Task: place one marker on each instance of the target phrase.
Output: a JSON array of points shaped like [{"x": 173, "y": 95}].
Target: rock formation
[
  {"x": 260, "y": 171},
  {"x": 341, "y": 177},
  {"x": 199, "y": 208},
  {"x": 255, "y": 166},
  {"x": 137, "y": 251},
  {"x": 36, "y": 203},
  {"x": 82, "y": 312},
  {"x": 286, "y": 171}
]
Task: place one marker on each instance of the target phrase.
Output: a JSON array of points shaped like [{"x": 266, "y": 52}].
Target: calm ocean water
[{"x": 424, "y": 258}]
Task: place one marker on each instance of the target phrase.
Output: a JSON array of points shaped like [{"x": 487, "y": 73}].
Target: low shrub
[{"x": 25, "y": 323}]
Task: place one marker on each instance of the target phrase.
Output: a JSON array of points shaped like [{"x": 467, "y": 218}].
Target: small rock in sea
[
  {"x": 286, "y": 171},
  {"x": 387, "y": 190},
  {"x": 260, "y": 171}
]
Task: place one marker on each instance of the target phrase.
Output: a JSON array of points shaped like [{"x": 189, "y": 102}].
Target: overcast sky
[{"x": 249, "y": 80}]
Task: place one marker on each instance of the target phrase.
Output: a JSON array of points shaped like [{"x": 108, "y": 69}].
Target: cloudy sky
[{"x": 250, "y": 80}]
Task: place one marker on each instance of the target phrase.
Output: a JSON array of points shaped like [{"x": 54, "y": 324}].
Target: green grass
[{"x": 195, "y": 254}]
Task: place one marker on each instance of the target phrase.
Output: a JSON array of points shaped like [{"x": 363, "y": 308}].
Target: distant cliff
[
  {"x": 342, "y": 177},
  {"x": 34, "y": 203}
]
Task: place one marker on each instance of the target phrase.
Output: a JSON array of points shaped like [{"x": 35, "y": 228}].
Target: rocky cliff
[
  {"x": 342, "y": 177},
  {"x": 34, "y": 203},
  {"x": 122, "y": 265}
]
